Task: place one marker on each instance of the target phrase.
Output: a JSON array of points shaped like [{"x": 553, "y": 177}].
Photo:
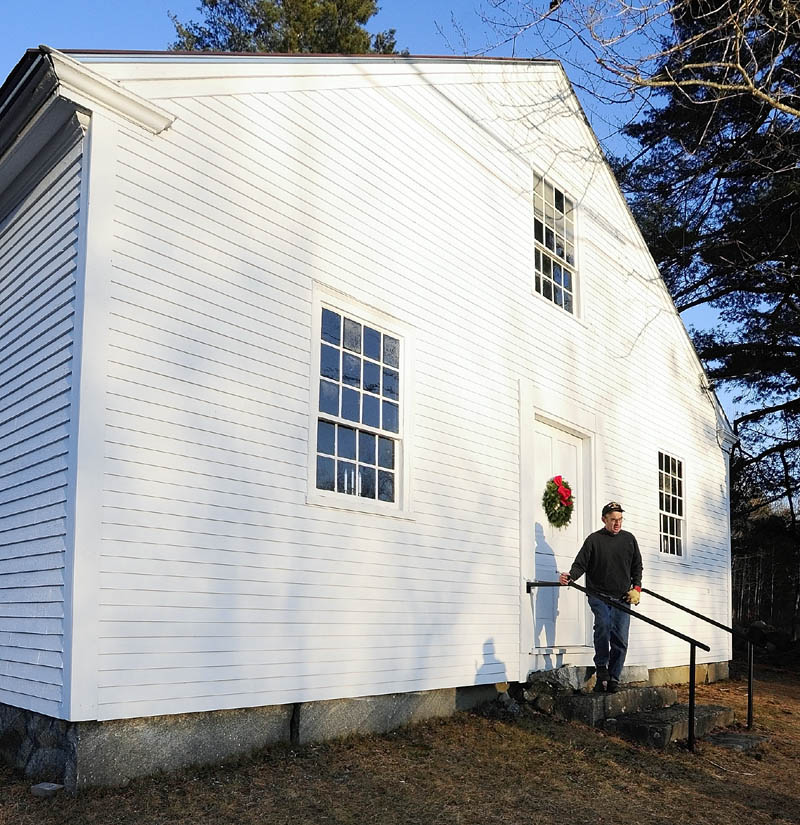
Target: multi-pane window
[
  {"x": 358, "y": 426},
  {"x": 554, "y": 247},
  {"x": 670, "y": 504}
]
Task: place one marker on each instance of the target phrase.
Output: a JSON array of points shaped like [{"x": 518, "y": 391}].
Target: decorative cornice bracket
[{"x": 88, "y": 89}]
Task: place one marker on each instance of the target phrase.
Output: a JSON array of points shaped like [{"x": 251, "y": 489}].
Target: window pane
[
  {"x": 371, "y": 412},
  {"x": 567, "y": 302},
  {"x": 372, "y": 377},
  {"x": 346, "y": 477},
  {"x": 386, "y": 453},
  {"x": 328, "y": 398},
  {"x": 329, "y": 362},
  {"x": 372, "y": 343},
  {"x": 325, "y": 473},
  {"x": 351, "y": 402},
  {"x": 391, "y": 419},
  {"x": 538, "y": 283},
  {"x": 558, "y": 296},
  {"x": 549, "y": 238},
  {"x": 391, "y": 351},
  {"x": 538, "y": 231},
  {"x": 557, "y": 274},
  {"x": 391, "y": 384},
  {"x": 559, "y": 199},
  {"x": 326, "y": 438},
  {"x": 352, "y": 335},
  {"x": 547, "y": 289},
  {"x": 660, "y": 464},
  {"x": 347, "y": 442},
  {"x": 331, "y": 327},
  {"x": 351, "y": 369},
  {"x": 366, "y": 480},
  {"x": 568, "y": 279},
  {"x": 385, "y": 486},
  {"x": 366, "y": 448}
]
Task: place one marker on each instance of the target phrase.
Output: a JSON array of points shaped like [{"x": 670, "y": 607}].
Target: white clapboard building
[{"x": 289, "y": 348}]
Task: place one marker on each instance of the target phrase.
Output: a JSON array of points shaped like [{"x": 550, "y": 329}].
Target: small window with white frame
[
  {"x": 359, "y": 410},
  {"x": 554, "y": 244},
  {"x": 672, "y": 530}
]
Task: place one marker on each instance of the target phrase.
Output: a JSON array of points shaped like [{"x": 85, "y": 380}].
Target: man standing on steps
[{"x": 613, "y": 566}]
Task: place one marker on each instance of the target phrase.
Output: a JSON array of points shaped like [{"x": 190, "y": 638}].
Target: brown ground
[{"x": 472, "y": 770}]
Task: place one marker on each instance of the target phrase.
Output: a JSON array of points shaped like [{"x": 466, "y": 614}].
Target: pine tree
[{"x": 284, "y": 26}]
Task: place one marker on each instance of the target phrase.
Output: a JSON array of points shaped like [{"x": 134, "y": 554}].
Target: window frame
[
  {"x": 326, "y": 298},
  {"x": 683, "y": 498},
  {"x": 539, "y": 248}
]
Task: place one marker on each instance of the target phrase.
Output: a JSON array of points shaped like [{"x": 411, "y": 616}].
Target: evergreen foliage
[{"x": 284, "y": 26}]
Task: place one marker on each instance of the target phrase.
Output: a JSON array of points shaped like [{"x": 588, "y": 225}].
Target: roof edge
[{"x": 212, "y": 56}]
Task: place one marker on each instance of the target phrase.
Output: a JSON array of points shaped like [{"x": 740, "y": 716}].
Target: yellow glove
[{"x": 633, "y": 596}]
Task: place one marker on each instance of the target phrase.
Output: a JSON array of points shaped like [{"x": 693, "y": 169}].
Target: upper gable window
[
  {"x": 359, "y": 433},
  {"x": 670, "y": 504},
  {"x": 554, "y": 248}
]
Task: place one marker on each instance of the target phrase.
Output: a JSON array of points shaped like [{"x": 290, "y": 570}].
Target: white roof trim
[{"x": 89, "y": 89}]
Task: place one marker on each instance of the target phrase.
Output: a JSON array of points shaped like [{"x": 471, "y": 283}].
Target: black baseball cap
[{"x": 612, "y": 507}]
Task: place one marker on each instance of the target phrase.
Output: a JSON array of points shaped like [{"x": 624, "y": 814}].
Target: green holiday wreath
[{"x": 558, "y": 502}]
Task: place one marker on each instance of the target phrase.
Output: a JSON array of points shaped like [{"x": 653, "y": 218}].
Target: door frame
[{"x": 551, "y": 407}]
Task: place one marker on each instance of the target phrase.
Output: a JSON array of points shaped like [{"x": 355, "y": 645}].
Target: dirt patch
[{"x": 473, "y": 769}]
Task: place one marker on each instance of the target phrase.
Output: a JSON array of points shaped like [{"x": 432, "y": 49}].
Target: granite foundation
[{"x": 85, "y": 754}]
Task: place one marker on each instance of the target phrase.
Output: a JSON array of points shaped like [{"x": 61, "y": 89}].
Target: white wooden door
[{"x": 559, "y": 612}]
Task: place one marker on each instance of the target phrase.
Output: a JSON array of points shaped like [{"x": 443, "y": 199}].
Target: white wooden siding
[
  {"x": 38, "y": 249},
  {"x": 219, "y": 585}
]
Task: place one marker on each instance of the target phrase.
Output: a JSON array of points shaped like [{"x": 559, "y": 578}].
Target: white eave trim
[{"x": 88, "y": 89}]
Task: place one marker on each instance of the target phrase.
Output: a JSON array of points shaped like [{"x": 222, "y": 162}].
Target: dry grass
[{"x": 472, "y": 770}]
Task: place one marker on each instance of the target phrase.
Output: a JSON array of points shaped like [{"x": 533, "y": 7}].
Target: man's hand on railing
[
  {"x": 633, "y": 596},
  {"x": 564, "y": 578}
]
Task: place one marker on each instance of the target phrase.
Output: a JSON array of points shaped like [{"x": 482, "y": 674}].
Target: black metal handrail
[
  {"x": 693, "y": 643},
  {"x": 727, "y": 629}
]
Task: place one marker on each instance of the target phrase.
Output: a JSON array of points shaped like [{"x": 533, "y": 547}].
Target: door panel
[{"x": 559, "y": 612}]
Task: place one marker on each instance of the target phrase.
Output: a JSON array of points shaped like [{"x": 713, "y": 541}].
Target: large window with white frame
[
  {"x": 359, "y": 421},
  {"x": 554, "y": 244},
  {"x": 672, "y": 532}
]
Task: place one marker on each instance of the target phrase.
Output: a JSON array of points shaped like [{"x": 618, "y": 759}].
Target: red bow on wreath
[{"x": 563, "y": 492}]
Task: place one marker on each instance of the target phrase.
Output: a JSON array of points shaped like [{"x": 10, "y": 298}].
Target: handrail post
[
  {"x": 692, "y": 656},
  {"x": 749, "y": 685},
  {"x": 727, "y": 629}
]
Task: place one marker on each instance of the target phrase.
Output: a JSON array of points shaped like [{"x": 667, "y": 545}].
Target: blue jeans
[{"x": 610, "y": 636}]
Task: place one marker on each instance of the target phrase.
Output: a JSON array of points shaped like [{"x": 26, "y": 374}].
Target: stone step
[
  {"x": 660, "y": 726},
  {"x": 595, "y": 708}
]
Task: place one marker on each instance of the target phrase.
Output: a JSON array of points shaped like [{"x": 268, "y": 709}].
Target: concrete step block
[
  {"x": 595, "y": 708},
  {"x": 657, "y": 728}
]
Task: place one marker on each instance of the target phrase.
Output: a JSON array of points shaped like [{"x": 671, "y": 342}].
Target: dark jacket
[{"x": 612, "y": 563}]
